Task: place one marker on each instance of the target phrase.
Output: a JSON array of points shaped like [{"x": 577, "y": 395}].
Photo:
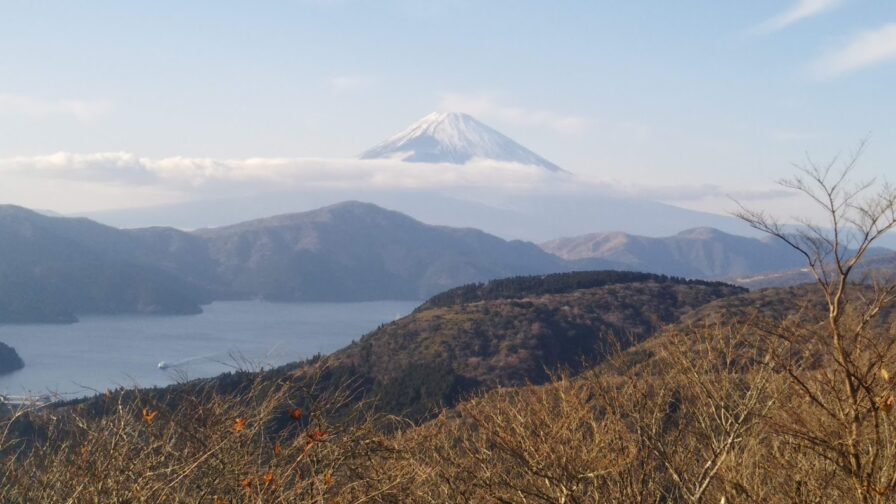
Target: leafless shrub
[
  {"x": 204, "y": 446},
  {"x": 843, "y": 425}
]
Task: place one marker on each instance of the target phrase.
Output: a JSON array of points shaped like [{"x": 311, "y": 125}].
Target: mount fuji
[
  {"x": 455, "y": 138},
  {"x": 450, "y": 138}
]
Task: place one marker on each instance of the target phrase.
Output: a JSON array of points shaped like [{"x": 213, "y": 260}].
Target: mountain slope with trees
[
  {"x": 53, "y": 269},
  {"x": 441, "y": 352},
  {"x": 358, "y": 251}
]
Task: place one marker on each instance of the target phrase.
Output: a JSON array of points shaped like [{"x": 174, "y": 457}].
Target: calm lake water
[{"x": 104, "y": 352}]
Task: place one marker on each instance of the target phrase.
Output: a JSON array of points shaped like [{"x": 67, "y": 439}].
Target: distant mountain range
[
  {"x": 705, "y": 253},
  {"x": 359, "y": 251},
  {"x": 879, "y": 262},
  {"x": 532, "y": 217},
  {"x": 455, "y": 138},
  {"x": 694, "y": 253},
  {"x": 53, "y": 269}
]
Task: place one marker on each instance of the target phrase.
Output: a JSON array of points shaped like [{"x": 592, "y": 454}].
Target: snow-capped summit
[{"x": 451, "y": 137}]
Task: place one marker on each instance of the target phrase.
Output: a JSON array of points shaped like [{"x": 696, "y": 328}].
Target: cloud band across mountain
[{"x": 125, "y": 168}]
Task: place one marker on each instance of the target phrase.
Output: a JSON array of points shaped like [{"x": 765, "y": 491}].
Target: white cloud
[
  {"x": 110, "y": 177},
  {"x": 40, "y": 108},
  {"x": 345, "y": 84},
  {"x": 209, "y": 173},
  {"x": 485, "y": 107},
  {"x": 801, "y": 10},
  {"x": 109, "y": 167},
  {"x": 685, "y": 193},
  {"x": 869, "y": 48}
]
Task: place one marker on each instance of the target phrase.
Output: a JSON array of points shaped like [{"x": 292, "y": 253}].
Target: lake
[{"x": 101, "y": 352}]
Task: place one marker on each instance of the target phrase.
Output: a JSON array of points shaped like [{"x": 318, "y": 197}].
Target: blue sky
[{"x": 670, "y": 95}]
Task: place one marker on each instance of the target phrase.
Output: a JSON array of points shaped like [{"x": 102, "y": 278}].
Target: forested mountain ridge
[
  {"x": 442, "y": 352},
  {"x": 554, "y": 283}
]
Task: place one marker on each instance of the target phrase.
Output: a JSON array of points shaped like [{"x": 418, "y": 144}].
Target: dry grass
[{"x": 273, "y": 443}]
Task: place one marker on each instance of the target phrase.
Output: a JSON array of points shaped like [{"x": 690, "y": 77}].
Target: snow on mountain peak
[{"x": 452, "y": 137}]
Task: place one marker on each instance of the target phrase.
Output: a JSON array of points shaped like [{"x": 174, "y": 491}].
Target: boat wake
[
  {"x": 184, "y": 362},
  {"x": 233, "y": 359}
]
